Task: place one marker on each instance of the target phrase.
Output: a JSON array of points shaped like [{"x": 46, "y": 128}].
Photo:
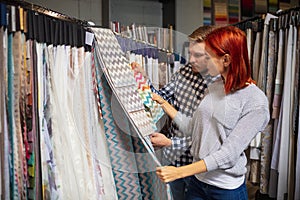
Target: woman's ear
[{"x": 226, "y": 60}]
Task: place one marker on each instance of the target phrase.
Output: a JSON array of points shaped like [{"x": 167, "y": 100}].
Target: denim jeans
[
  {"x": 179, "y": 188},
  {"x": 198, "y": 190}
]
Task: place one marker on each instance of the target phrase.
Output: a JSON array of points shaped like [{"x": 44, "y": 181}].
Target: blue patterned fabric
[{"x": 132, "y": 165}]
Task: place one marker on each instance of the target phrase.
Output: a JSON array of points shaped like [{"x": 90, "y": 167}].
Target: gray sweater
[{"x": 222, "y": 128}]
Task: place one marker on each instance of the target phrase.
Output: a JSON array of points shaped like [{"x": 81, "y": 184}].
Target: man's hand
[
  {"x": 138, "y": 69},
  {"x": 160, "y": 140},
  {"x": 157, "y": 98}
]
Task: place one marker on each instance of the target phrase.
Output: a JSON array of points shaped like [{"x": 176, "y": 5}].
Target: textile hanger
[
  {"x": 46, "y": 25},
  {"x": 43, "y": 10}
]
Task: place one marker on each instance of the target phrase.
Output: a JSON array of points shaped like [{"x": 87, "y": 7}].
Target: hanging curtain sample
[{"x": 128, "y": 140}]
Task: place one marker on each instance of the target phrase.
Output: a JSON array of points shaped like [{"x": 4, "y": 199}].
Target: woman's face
[{"x": 216, "y": 64}]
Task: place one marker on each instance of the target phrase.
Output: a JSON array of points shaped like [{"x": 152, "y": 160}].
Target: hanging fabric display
[
  {"x": 275, "y": 68},
  {"x": 134, "y": 132},
  {"x": 121, "y": 75},
  {"x": 76, "y": 120}
]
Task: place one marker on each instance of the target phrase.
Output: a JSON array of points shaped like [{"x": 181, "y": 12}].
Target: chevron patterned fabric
[
  {"x": 130, "y": 98},
  {"x": 120, "y": 148},
  {"x": 156, "y": 112},
  {"x": 132, "y": 157},
  {"x": 114, "y": 59}
]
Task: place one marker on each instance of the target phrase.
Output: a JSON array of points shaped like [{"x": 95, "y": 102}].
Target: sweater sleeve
[
  {"x": 184, "y": 123},
  {"x": 251, "y": 122}
]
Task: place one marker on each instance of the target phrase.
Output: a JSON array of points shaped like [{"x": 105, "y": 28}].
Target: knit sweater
[{"x": 222, "y": 128}]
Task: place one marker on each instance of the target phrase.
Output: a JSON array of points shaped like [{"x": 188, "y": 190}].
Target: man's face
[{"x": 198, "y": 57}]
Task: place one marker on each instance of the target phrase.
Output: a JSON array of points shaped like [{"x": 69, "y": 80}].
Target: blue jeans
[
  {"x": 198, "y": 190},
  {"x": 179, "y": 188}
]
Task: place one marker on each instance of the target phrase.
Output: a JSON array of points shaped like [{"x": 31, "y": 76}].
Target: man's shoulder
[{"x": 184, "y": 69}]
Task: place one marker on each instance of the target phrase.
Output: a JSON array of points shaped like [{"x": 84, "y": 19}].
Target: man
[{"x": 185, "y": 92}]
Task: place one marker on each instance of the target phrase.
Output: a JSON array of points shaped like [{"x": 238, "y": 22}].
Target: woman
[{"x": 231, "y": 114}]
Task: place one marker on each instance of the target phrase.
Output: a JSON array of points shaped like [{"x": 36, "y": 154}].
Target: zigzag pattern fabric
[
  {"x": 129, "y": 96},
  {"x": 156, "y": 112},
  {"x": 151, "y": 186},
  {"x": 120, "y": 149},
  {"x": 121, "y": 76},
  {"x": 131, "y": 154},
  {"x": 115, "y": 62},
  {"x": 132, "y": 166}
]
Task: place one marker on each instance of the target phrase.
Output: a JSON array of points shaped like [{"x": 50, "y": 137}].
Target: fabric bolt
[
  {"x": 256, "y": 55},
  {"x": 99, "y": 148},
  {"x": 262, "y": 73},
  {"x": 277, "y": 99},
  {"x": 18, "y": 147},
  {"x": 96, "y": 86},
  {"x": 286, "y": 121},
  {"x": 267, "y": 133},
  {"x": 255, "y": 145},
  {"x": 297, "y": 164},
  {"x": 249, "y": 34},
  {"x": 74, "y": 164},
  {"x": 4, "y": 151},
  {"x": 47, "y": 159},
  {"x": 279, "y": 76},
  {"x": 292, "y": 141},
  {"x": 10, "y": 105},
  {"x": 117, "y": 68},
  {"x": 34, "y": 190},
  {"x": 41, "y": 94},
  {"x": 23, "y": 101}
]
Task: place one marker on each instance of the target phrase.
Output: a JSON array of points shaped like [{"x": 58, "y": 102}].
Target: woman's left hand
[{"x": 168, "y": 173}]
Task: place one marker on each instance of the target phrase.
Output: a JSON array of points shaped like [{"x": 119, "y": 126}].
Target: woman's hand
[
  {"x": 157, "y": 98},
  {"x": 168, "y": 173},
  {"x": 168, "y": 108}
]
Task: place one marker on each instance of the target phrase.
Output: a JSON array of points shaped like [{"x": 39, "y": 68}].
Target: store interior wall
[
  {"x": 88, "y": 10},
  {"x": 140, "y": 12},
  {"x": 188, "y": 13}
]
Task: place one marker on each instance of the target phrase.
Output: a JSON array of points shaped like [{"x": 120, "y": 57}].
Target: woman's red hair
[{"x": 231, "y": 40}]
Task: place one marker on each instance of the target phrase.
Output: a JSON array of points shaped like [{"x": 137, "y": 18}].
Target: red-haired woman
[{"x": 229, "y": 117}]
